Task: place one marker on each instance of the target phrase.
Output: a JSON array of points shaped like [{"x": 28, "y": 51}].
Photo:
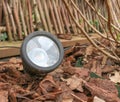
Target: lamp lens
[{"x": 42, "y": 51}]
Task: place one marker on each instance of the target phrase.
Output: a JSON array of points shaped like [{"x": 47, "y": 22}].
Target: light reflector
[{"x": 41, "y": 52}]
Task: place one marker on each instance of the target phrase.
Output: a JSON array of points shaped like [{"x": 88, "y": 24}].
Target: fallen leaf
[
  {"x": 71, "y": 59},
  {"x": 115, "y": 76},
  {"x": 82, "y": 72},
  {"x": 108, "y": 69},
  {"x": 48, "y": 86},
  {"x": 68, "y": 100},
  {"x": 65, "y": 36},
  {"x": 104, "y": 92},
  {"x": 94, "y": 65},
  {"x": 80, "y": 97},
  {"x": 15, "y": 60},
  {"x": 3, "y": 96},
  {"x": 66, "y": 94},
  {"x": 89, "y": 50},
  {"x": 74, "y": 83},
  {"x": 4, "y": 86},
  {"x": 104, "y": 60},
  {"x": 104, "y": 84},
  {"x": 97, "y": 99}
]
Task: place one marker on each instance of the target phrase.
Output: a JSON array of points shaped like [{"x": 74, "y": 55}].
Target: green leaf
[
  {"x": 23, "y": 33},
  {"x": 96, "y": 23},
  {"x": 118, "y": 88},
  {"x": 118, "y": 37},
  {"x": 79, "y": 62},
  {"x": 93, "y": 75},
  {"x": 3, "y": 36},
  {"x": 91, "y": 22},
  {"x": 80, "y": 21}
]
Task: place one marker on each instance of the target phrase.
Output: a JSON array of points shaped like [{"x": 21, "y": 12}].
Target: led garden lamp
[{"x": 41, "y": 52}]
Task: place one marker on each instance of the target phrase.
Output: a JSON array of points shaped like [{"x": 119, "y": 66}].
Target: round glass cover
[{"x": 42, "y": 51}]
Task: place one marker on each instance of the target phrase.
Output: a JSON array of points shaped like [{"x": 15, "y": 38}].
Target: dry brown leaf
[
  {"x": 48, "y": 86},
  {"x": 115, "y": 76},
  {"x": 65, "y": 36},
  {"x": 82, "y": 72},
  {"x": 104, "y": 84},
  {"x": 1, "y": 63},
  {"x": 89, "y": 50},
  {"x": 66, "y": 94},
  {"x": 80, "y": 97},
  {"x": 70, "y": 59},
  {"x": 107, "y": 94},
  {"x": 74, "y": 83},
  {"x": 3, "y": 96},
  {"x": 108, "y": 69},
  {"x": 70, "y": 50},
  {"x": 104, "y": 60},
  {"x": 68, "y": 100},
  {"x": 68, "y": 68},
  {"x": 78, "y": 53},
  {"x": 97, "y": 99},
  {"x": 4, "y": 86},
  {"x": 94, "y": 66},
  {"x": 104, "y": 94},
  {"x": 15, "y": 60}
]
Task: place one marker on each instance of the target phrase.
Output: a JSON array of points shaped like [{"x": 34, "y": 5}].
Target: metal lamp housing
[{"x": 41, "y": 52}]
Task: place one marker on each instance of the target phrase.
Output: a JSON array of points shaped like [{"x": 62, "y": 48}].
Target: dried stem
[{"x": 86, "y": 35}]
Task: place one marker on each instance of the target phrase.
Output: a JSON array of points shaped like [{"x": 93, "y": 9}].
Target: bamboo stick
[
  {"x": 42, "y": 15},
  {"x": 1, "y": 7},
  {"x": 118, "y": 3},
  {"x": 7, "y": 21},
  {"x": 30, "y": 15},
  {"x": 66, "y": 15},
  {"x": 37, "y": 16},
  {"x": 64, "y": 19},
  {"x": 73, "y": 26},
  {"x": 57, "y": 17},
  {"x": 12, "y": 22},
  {"x": 53, "y": 17},
  {"x": 25, "y": 11},
  {"x": 60, "y": 16},
  {"x": 99, "y": 33},
  {"x": 101, "y": 16},
  {"x": 16, "y": 4},
  {"x": 114, "y": 17},
  {"x": 22, "y": 20},
  {"x": 86, "y": 35},
  {"x": 47, "y": 16},
  {"x": 108, "y": 4},
  {"x": 17, "y": 20}
]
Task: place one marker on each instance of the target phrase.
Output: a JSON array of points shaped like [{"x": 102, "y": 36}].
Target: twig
[
  {"x": 102, "y": 35},
  {"x": 87, "y": 36},
  {"x": 81, "y": 100}
]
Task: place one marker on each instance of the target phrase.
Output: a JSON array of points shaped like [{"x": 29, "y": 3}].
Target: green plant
[
  {"x": 3, "y": 37},
  {"x": 79, "y": 62},
  {"x": 118, "y": 37}
]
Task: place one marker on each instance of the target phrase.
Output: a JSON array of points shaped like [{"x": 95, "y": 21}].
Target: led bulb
[
  {"x": 39, "y": 57},
  {"x": 42, "y": 51}
]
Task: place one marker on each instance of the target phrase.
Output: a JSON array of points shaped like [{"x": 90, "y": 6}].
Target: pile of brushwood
[{"x": 85, "y": 75}]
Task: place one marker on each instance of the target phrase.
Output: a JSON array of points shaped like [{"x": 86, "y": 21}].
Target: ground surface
[{"x": 85, "y": 75}]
